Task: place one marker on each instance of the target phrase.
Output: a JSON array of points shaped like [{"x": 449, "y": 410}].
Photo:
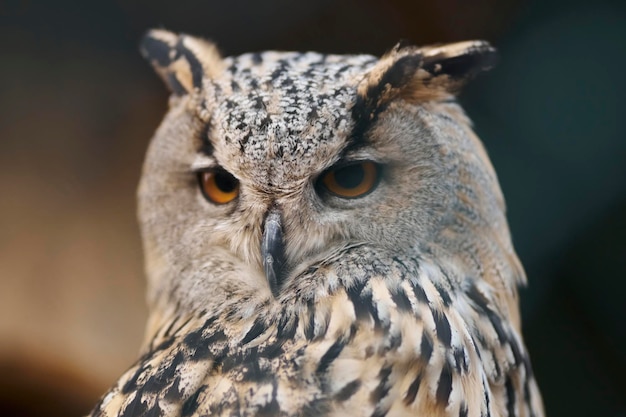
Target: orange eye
[
  {"x": 218, "y": 186},
  {"x": 352, "y": 181}
]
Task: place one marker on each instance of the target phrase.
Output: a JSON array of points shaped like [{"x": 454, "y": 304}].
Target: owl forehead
[{"x": 284, "y": 113}]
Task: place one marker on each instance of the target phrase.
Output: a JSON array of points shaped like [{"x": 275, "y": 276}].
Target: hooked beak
[{"x": 273, "y": 249}]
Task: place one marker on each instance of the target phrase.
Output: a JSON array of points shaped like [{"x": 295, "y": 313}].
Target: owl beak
[{"x": 273, "y": 249}]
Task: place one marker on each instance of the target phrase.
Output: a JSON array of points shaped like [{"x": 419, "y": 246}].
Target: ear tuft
[
  {"x": 426, "y": 73},
  {"x": 459, "y": 62},
  {"x": 182, "y": 61},
  {"x": 431, "y": 73}
]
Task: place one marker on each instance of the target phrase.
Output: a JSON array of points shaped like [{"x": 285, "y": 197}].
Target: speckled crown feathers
[{"x": 406, "y": 72}]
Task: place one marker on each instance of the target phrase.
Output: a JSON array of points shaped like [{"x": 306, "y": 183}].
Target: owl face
[{"x": 269, "y": 163}]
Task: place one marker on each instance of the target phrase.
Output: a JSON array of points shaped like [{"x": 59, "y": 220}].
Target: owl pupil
[
  {"x": 350, "y": 176},
  {"x": 225, "y": 182}
]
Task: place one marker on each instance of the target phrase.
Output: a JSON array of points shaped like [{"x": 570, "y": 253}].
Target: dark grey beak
[{"x": 273, "y": 249}]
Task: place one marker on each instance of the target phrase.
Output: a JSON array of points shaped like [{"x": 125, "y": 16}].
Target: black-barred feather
[{"x": 429, "y": 371}]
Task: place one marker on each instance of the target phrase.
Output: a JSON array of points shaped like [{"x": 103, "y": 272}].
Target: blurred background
[{"x": 78, "y": 106}]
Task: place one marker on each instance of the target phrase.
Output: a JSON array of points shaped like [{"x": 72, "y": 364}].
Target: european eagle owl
[{"x": 324, "y": 235}]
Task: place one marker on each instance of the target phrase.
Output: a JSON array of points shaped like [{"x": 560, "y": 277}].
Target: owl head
[{"x": 267, "y": 164}]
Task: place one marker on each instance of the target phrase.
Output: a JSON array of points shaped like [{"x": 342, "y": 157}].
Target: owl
[{"x": 324, "y": 235}]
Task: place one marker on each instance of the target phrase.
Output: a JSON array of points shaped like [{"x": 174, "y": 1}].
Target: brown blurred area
[
  {"x": 75, "y": 125},
  {"x": 78, "y": 106}
]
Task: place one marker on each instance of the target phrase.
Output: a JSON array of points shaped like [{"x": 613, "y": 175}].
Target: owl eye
[
  {"x": 351, "y": 181},
  {"x": 218, "y": 186}
]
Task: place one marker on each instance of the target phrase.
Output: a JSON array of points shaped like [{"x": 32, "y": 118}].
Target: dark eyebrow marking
[
  {"x": 206, "y": 147},
  {"x": 353, "y": 144},
  {"x": 378, "y": 95}
]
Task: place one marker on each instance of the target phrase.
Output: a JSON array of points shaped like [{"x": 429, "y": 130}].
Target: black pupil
[
  {"x": 350, "y": 176},
  {"x": 225, "y": 182}
]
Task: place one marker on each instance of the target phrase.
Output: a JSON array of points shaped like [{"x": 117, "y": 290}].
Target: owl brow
[
  {"x": 354, "y": 145},
  {"x": 376, "y": 97},
  {"x": 358, "y": 153},
  {"x": 203, "y": 162},
  {"x": 206, "y": 147}
]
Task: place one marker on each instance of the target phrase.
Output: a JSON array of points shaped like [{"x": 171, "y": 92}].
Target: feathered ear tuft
[
  {"x": 456, "y": 63},
  {"x": 182, "y": 61},
  {"x": 423, "y": 74}
]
